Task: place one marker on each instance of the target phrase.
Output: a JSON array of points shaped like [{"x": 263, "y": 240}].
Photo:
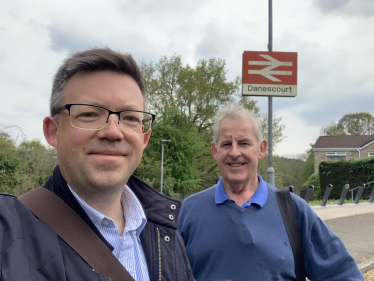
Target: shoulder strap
[
  {"x": 289, "y": 217},
  {"x": 51, "y": 209}
]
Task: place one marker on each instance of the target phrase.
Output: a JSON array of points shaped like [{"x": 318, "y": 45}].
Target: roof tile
[{"x": 355, "y": 141}]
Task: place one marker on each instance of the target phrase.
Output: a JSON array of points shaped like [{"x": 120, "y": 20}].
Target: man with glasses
[{"x": 100, "y": 127}]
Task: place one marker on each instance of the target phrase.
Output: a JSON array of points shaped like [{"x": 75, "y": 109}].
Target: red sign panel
[{"x": 270, "y": 74}]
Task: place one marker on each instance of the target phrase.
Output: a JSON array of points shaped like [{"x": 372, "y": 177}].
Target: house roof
[{"x": 356, "y": 141}]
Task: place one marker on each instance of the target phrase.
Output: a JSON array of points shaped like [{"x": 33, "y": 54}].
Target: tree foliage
[
  {"x": 308, "y": 168},
  {"x": 314, "y": 180},
  {"x": 180, "y": 154},
  {"x": 278, "y": 129},
  {"x": 361, "y": 123},
  {"x": 185, "y": 99},
  {"x": 24, "y": 167},
  {"x": 194, "y": 95},
  {"x": 197, "y": 91}
]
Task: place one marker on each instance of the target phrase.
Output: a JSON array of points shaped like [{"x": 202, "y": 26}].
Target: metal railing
[{"x": 362, "y": 188}]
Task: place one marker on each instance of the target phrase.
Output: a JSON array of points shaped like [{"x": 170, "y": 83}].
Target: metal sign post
[
  {"x": 269, "y": 74},
  {"x": 270, "y": 175}
]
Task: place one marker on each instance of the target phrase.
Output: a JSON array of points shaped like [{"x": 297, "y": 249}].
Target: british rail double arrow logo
[{"x": 272, "y": 63}]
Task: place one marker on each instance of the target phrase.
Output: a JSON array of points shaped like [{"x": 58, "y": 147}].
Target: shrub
[
  {"x": 353, "y": 172},
  {"x": 315, "y": 181}
]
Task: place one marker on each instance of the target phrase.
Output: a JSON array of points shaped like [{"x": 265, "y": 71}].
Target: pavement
[{"x": 354, "y": 225}]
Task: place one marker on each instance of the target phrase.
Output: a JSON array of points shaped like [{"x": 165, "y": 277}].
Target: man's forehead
[
  {"x": 233, "y": 125},
  {"x": 237, "y": 137}
]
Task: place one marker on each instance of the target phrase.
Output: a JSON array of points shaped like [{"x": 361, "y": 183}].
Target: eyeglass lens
[{"x": 94, "y": 118}]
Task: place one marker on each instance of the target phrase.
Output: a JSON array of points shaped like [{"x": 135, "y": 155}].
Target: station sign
[{"x": 269, "y": 74}]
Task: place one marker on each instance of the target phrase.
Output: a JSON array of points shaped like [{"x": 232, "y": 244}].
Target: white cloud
[{"x": 333, "y": 39}]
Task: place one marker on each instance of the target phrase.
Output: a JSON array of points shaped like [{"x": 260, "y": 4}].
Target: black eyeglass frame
[{"x": 118, "y": 113}]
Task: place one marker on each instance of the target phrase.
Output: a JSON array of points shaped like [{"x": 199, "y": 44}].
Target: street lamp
[{"x": 162, "y": 160}]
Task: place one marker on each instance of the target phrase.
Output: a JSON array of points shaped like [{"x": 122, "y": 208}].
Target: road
[{"x": 354, "y": 225}]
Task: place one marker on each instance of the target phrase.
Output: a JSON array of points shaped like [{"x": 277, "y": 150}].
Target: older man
[
  {"x": 234, "y": 230},
  {"x": 100, "y": 128}
]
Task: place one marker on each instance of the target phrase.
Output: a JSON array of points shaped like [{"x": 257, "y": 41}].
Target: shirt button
[
  {"x": 171, "y": 217},
  {"x": 133, "y": 232},
  {"x": 105, "y": 222},
  {"x": 173, "y": 207},
  {"x": 167, "y": 239}
]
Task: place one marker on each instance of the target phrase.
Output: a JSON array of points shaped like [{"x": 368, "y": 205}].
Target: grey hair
[
  {"x": 237, "y": 110},
  {"x": 92, "y": 60}
]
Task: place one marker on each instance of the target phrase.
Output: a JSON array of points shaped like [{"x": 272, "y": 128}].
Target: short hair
[
  {"x": 237, "y": 110},
  {"x": 92, "y": 60}
]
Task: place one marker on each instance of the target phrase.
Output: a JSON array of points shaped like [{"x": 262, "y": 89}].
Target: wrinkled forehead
[{"x": 236, "y": 127}]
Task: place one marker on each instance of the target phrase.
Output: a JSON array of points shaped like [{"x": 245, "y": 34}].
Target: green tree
[
  {"x": 278, "y": 129},
  {"x": 24, "y": 167},
  {"x": 361, "y": 123},
  {"x": 9, "y": 162},
  {"x": 333, "y": 129},
  {"x": 308, "y": 168},
  {"x": 180, "y": 154},
  {"x": 198, "y": 92},
  {"x": 38, "y": 162}
]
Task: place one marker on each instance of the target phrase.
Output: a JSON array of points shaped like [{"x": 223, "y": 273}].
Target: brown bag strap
[{"x": 51, "y": 209}]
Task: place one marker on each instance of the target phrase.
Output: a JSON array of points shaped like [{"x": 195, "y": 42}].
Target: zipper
[{"x": 159, "y": 254}]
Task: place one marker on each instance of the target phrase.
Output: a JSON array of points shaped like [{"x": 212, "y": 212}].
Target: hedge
[
  {"x": 314, "y": 180},
  {"x": 353, "y": 172}
]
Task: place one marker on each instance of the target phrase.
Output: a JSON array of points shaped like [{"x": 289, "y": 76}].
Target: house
[{"x": 342, "y": 148}]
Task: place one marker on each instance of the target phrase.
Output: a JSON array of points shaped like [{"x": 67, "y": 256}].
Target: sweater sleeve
[{"x": 326, "y": 257}]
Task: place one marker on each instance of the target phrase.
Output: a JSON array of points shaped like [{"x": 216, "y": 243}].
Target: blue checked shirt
[{"x": 127, "y": 249}]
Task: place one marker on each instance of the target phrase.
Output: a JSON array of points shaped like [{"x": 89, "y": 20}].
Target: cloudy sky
[{"x": 333, "y": 38}]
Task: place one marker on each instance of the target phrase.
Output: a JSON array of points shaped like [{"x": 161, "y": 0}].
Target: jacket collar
[{"x": 157, "y": 207}]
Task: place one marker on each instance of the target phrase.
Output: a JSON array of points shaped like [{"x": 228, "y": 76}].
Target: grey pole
[
  {"x": 309, "y": 193},
  {"x": 344, "y": 194},
  {"x": 162, "y": 160},
  {"x": 371, "y": 199},
  {"x": 270, "y": 175},
  {"x": 326, "y": 196},
  {"x": 359, "y": 193}
]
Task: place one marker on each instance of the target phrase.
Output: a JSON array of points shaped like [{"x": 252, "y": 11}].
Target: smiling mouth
[
  {"x": 108, "y": 154},
  {"x": 236, "y": 165}
]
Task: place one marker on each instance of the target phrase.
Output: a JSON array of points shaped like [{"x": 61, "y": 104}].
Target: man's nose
[
  {"x": 234, "y": 152},
  {"x": 112, "y": 130}
]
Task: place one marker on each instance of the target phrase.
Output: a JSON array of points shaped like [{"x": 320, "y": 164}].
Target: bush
[
  {"x": 353, "y": 172},
  {"x": 315, "y": 181}
]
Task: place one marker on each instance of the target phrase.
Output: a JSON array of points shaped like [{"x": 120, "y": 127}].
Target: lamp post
[{"x": 162, "y": 160}]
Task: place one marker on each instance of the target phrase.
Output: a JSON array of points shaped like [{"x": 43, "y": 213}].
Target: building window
[
  {"x": 371, "y": 154},
  {"x": 336, "y": 156}
]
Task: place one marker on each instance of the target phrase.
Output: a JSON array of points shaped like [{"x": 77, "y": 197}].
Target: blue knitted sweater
[{"x": 228, "y": 242}]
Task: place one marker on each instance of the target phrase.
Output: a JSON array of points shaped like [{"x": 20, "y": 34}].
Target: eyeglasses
[{"x": 92, "y": 117}]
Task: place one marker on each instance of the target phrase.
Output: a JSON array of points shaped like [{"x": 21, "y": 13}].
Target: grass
[{"x": 334, "y": 202}]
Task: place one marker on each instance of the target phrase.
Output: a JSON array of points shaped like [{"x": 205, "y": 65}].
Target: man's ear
[
  {"x": 214, "y": 150},
  {"x": 263, "y": 147},
  {"x": 50, "y": 130},
  {"x": 146, "y": 138}
]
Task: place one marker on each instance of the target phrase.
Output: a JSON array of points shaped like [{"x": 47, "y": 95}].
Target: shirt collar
[
  {"x": 132, "y": 211},
  {"x": 259, "y": 197}
]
